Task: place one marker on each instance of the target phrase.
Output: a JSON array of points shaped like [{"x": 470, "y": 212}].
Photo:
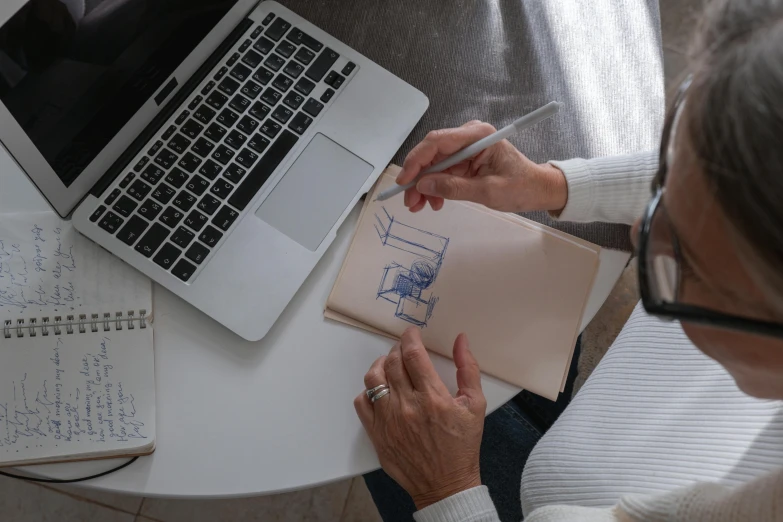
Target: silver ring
[
  {"x": 373, "y": 391},
  {"x": 383, "y": 393}
]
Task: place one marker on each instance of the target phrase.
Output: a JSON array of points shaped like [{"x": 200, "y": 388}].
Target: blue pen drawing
[{"x": 407, "y": 281}]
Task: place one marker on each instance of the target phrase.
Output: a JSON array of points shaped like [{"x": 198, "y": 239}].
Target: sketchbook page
[
  {"x": 47, "y": 268},
  {"x": 517, "y": 292},
  {"x": 77, "y": 396}
]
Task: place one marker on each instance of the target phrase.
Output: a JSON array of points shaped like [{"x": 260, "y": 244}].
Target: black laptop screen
[{"x": 73, "y": 72}]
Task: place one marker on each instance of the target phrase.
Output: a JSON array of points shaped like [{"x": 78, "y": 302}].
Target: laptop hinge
[{"x": 171, "y": 107}]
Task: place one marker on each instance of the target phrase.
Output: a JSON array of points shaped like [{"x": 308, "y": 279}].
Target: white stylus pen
[{"x": 528, "y": 120}]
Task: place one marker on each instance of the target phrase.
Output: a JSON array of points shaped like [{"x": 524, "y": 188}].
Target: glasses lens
[{"x": 663, "y": 270}]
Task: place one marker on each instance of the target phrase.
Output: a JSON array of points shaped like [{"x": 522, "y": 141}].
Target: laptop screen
[{"x": 74, "y": 72}]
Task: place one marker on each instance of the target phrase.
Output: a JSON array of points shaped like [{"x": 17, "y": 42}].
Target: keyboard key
[
  {"x": 235, "y": 173},
  {"x": 338, "y": 81},
  {"x": 184, "y": 201},
  {"x": 183, "y": 270},
  {"x": 274, "y": 62},
  {"x": 182, "y": 237},
  {"x": 235, "y": 139},
  {"x": 225, "y": 218},
  {"x": 217, "y": 100},
  {"x": 177, "y": 178},
  {"x": 208, "y": 87},
  {"x": 261, "y": 172},
  {"x": 192, "y": 129},
  {"x": 304, "y": 55},
  {"x": 278, "y": 28},
  {"x": 252, "y": 59},
  {"x": 166, "y": 158},
  {"x": 167, "y": 255},
  {"x": 132, "y": 230},
  {"x": 259, "y": 110},
  {"x": 139, "y": 190},
  {"x": 196, "y": 220},
  {"x": 209, "y": 205},
  {"x": 298, "y": 37},
  {"x": 210, "y": 236},
  {"x": 293, "y": 69},
  {"x": 229, "y": 86},
  {"x": 241, "y": 72},
  {"x": 142, "y": 163},
  {"x": 163, "y": 193},
  {"x": 150, "y": 241},
  {"x": 304, "y": 86},
  {"x": 239, "y": 103},
  {"x": 126, "y": 180},
  {"x": 282, "y": 114},
  {"x": 300, "y": 123},
  {"x": 113, "y": 196},
  {"x": 231, "y": 61},
  {"x": 263, "y": 76},
  {"x": 204, "y": 114},
  {"x": 348, "y": 69},
  {"x": 271, "y": 96},
  {"x": 223, "y": 154},
  {"x": 220, "y": 189},
  {"x": 182, "y": 117},
  {"x": 327, "y": 95},
  {"x": 155, "y": 148},
  {"x": 247, "y": 125},
  {"x": 258, "y": 143},
  {"x": 268, "y": 19},
  {"x": 152, "y": 174},
  {"x": 264, "y": 45},
  {"x": 125, "y": 206},
  {"x": 251, "y": 89},
  {"x": 215, "y": 132},
  {"x": 245, "y": 45},
  {"x": 270, "y": 128},
  {"x": 285, "y": 49},
  {"x": 179, "y": 143},
  {"x": 111, "y": 222},
  {"x": 282, "y": 82},
  {"x": 221, "y": 73},
  {"x": 171, "y": 217},
  {"x": 197, "y": 253},
  {"x": 313, "y": 107},
  {"x": 321, "y": 65},
  {"x": 97, "y": 213},
  {"x": 202, "y": 147},
  {"x": 194, "y": 102},
  {"x": 197, "y": 185},
  {"x": 149, "y": 209},
  {"x": 169, "y": 132},
  {"x": 190, "y": 162},
  {"x": 257, "y": 31},
  {"x": 228, "y": 117},
  {"x": 210, "y": 169},
  {"x": 293, "y": 100}
]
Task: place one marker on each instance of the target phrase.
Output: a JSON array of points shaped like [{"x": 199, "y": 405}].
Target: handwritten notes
[
  {"x": 46, "y": 267},
  {"x": 76, "y": 394}
]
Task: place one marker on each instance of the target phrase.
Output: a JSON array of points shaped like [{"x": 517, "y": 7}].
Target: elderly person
[{"x": 710, "y": 246}]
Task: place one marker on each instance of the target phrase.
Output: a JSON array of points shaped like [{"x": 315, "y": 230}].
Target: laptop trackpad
[{"x": 314, "y": 192}]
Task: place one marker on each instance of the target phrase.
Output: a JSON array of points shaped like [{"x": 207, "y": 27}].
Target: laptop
[{"x": 214, "y": 145}]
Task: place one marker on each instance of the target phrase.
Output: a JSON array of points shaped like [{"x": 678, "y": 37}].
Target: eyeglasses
[{"x": 661, "y": 263}]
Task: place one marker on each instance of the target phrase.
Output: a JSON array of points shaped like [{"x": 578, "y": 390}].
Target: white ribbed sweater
[{"x": 659, "y": 432}]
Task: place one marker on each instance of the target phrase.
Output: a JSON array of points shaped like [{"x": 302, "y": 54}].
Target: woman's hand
[
  {"x": 426, "y": 440},
  {"x": 499, "y": 177}
]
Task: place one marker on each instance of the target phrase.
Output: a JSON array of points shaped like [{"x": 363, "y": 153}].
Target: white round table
[{"x": 236, "y": 418}]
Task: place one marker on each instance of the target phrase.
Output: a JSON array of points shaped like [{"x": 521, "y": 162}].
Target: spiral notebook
[{"x": 77, "y": 375}]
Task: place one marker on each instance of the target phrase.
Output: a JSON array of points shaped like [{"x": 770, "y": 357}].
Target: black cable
[{"x": 68, "y": 481}]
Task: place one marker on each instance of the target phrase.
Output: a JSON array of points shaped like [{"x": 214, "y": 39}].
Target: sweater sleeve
[
  {"x": 471, "y": 505},
  {"x": 613, "y": 189}
]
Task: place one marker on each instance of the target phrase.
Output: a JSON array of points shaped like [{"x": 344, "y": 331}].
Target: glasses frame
[{"x": 679, "y": 311}]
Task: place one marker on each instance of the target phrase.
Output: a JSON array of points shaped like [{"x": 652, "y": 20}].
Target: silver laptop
[{"x": 214, "y": 145}]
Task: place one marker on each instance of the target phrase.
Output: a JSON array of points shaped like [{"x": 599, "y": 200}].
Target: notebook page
[
  {"x": 84, "y": 395},
  {"x": 47, "y": 268}
]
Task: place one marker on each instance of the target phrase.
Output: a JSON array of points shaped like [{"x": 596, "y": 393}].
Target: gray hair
[{"x": 735, "y": 124}]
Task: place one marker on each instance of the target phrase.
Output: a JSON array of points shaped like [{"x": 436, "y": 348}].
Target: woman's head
[{"x": 724, "y": 187}]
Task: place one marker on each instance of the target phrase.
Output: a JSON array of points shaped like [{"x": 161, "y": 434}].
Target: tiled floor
[{"x": 347, "y": 501}]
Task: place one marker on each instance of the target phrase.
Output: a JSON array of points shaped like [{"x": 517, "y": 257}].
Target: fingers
[
  {"x": 468, "y": 373},
  {"x": 418, "y": 364},
  {"x": 395, "y": 370},
  {"x": 444, "y": 186},
  {"x": 364, "y": 408},
  {"x": 376, "y": 375}
]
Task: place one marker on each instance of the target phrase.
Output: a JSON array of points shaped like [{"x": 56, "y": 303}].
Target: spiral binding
[{"x": 74, "y": 323}]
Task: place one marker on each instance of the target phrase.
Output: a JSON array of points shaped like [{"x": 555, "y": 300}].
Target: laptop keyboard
[{"x": 178, "y": 200}]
